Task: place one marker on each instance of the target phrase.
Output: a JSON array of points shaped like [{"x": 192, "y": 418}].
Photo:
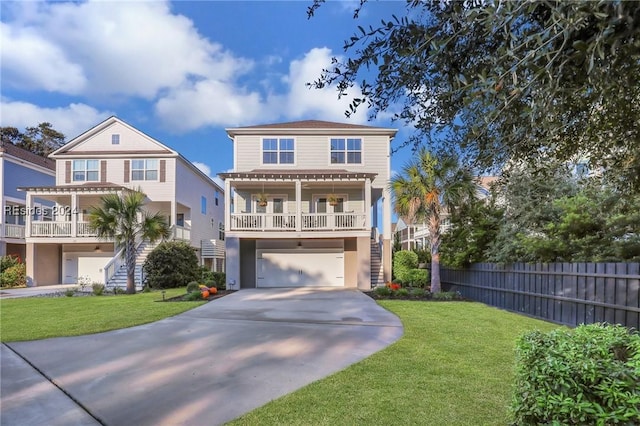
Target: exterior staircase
[
  {"x": 377, "y": 277},
  {"x": 119, "y": 279}
]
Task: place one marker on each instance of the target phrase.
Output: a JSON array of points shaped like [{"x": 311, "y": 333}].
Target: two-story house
[
  {"x": 113, "y": 157},
  {"x": 302, "y": 205},
  {"x": 19, "y": 167}
]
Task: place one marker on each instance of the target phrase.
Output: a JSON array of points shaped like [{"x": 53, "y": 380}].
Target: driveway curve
[{"x": 208, "y": 365}]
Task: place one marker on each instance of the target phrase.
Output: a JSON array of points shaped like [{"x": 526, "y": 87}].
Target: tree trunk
[
  {"x": 130, "y": 260},
  {"x": 434, "y": 240}
]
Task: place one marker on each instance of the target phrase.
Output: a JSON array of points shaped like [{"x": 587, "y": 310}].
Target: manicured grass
[
  {"x": 453, "y": 366},
  {"x": 35, "y": 318}
]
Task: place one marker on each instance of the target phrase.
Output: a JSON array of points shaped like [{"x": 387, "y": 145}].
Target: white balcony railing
[
  {"x": 13, "y": 231},
  {"x": 180, "y": 233},
  {"x": 287, "y": 221},
  {"x": 41, "y": 228},
  {"x": 50, "y": 229}
]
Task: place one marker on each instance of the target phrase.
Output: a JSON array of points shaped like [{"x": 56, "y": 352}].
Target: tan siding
[
  {"x": 312, "y": 152},
  {"x": 130, "y": 140}
]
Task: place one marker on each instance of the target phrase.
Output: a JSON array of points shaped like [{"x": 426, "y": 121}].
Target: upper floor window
[
  {"x": 86, "y": 170},
  {"x": 216, "y": 198},
  {"x": 144, "y": 169},
  {"x": 346, "y": 151},
  {"x": 203, "y": 205},
  {"x": 221, "y": 231},
  {"x": 115, "y": 139},
  {"x": 278, "y": 151}
]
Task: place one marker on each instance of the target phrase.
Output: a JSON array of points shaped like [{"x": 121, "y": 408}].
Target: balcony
[
  {"x": 40, "y": 228},
  {"x": 293, "y": 222},
  {"x": 13, "y": 231}
]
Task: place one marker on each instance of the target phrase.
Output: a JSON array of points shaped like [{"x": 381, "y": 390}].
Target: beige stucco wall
[{"x": 46, "y": 268}]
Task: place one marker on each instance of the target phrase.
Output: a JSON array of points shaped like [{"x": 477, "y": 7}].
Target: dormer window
[
  {"x": 86, "y": 170},
  {"x": 278, "y": 151},
  {"x": 115, "y": 139}
]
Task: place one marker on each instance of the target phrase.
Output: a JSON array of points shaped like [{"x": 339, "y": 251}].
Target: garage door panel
[{"x": 300, "y": 268}]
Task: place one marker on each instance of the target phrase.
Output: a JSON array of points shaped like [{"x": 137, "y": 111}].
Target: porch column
[
  {"x": 28, "y": 216},
  {"x": 174, "y": 218},
  {"x": 227, "y": 205},
  {"x": 74, "y": 215},
  {"x": 386, "y": 234},
  {"x": 298, "y": 205},
  {"x": 367, "y": 204},
  {"x": 30, "y": 262}
]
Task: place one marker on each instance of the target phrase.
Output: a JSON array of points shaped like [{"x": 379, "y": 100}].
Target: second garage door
[{"x": 300, "y": 268}]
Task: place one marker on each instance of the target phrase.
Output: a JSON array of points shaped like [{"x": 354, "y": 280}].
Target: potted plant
[
  {"x": 262, "y": 199},
  {"x": 332, "y": 199}
]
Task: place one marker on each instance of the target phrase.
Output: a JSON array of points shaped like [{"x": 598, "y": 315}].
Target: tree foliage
[
  {"x": 122, "y": 218},
  {"x": 505, "y": 80},
  {"x": 425, "y": 187},
  {"x": 42, "y": 139},
  {"x": 171, "y": 264}
]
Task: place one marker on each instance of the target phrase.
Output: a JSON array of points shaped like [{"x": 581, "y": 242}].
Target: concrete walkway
[
  {"x": 12, "y": 293},
  {"x": 204, "y": 367}
]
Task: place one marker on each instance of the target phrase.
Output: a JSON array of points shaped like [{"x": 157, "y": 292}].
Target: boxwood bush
[
  {"x": 171, "y": 264},
  {"x": 590, "y": 375},
  {"x": 403, "y": 262}
]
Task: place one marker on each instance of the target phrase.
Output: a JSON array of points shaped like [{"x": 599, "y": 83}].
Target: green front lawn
[
  {"x": 453, "y": 366},
  {"x": 36, "y": 318}
]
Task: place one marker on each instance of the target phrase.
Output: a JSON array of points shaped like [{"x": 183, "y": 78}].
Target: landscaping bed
[{"x": 184, "y": 297}]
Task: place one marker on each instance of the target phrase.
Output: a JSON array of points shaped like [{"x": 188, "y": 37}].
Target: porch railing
[
  {"x": 13, "y": 231},
  {"x": 180, "y": 233},
  {"x": 287, "y": 221},
  {"x": 41, "y": 228}
]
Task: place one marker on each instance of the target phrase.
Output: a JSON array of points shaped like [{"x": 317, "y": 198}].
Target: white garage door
[{"x": 300, "y": 268}]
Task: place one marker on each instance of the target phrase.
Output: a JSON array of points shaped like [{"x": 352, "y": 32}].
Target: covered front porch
[{"x": 304, "y": 202}]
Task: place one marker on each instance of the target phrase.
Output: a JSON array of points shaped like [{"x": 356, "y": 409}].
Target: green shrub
[
  {"x": 401, "y": 292},
  {"x": 8, "y": 261},
  {"x": 382, "y": 291},
  {"x": 97, "y": 288},
  {"x": 403, "y": 262},
  {"x": 70, "y": 292},
  {"x": 590, "y": 375},
  {"x": 171, "y": 264},
  {"x": 14, "y": 276},
  {"x": 193, "y": 286},
  {"x": 424, "y": 255},
  {"x": 220, "y": 280},
  {"x": 445, "y": 295},
  {"x": 416, "y": 292},
  {"x": 194, "y": 295},
  {"x": 417, "y": 277}
]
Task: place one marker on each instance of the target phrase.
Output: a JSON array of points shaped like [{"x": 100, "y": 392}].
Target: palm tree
[
  {"x": 427, "y": 186},
  {"x": 121, "y": 218}
]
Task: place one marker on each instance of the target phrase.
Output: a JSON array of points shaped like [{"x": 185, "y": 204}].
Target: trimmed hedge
[
  {"x": 590, "y": 375},
  {"x": 171, "y": 264},
  {"x": 403, "y": 262}
]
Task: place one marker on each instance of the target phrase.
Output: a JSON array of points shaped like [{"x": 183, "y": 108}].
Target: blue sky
[{"x": 179, "y": 71}]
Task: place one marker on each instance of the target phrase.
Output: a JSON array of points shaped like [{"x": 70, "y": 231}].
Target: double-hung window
[
  {"x": 278, "y": 151},
  {"x": 346, "y": 151},
  {"x": 144, "y": 169},
  {"x": 86, "y": 170}
]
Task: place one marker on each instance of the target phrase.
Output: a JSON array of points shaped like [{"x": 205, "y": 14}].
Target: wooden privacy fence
[{"x": 566, "y": 293}]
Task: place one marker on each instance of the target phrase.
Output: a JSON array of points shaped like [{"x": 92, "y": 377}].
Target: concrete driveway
[{"x": 203, "y": 367}]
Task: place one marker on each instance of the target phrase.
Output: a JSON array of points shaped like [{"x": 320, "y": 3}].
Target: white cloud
[
  {"x": 71, "y": 120},
  {"x": 29, "y": 60},
  {"x": 204, "y": 168},
  {"x": 130, "y": 48},
  {"x": 303, "y": 102}
]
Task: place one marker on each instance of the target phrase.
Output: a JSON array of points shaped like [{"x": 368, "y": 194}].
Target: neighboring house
[
  {"x": 19, "y": 167},
  {"x": 305, "y": 205},
  {"x": 114, "y": 157},
  {"x": 415, "y": 236}
]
